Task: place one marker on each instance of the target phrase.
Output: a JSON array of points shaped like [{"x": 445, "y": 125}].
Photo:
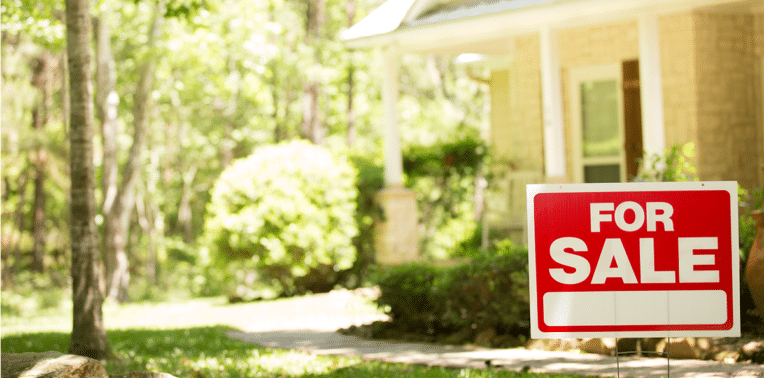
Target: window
[{"x": 597, "y": 113}]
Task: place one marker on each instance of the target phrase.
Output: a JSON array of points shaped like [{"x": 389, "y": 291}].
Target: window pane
[
  {"x": 602, "y": 173},
  {"x": 599, "y": 118}
]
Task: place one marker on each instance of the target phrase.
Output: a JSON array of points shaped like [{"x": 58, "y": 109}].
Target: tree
[
  {"x": 42, "y": 68},
  {"x": 118, "y": 209},
  {"x": 88, "y": 334}
]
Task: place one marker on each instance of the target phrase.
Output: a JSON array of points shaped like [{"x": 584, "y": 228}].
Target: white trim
[
  {"x": 575, "y": 77},
  {"x": 651, "y": 86},
  {"x": 392, "y": 142},
  {"x": 466, "y": 31},
  {"x": 551, "y": 97}
]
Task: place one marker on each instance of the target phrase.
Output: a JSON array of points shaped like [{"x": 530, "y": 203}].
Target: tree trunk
[
  {"x": 107, "y": 101},
  {"x": 41, "y": 79},
  {"x": 88, "y": 334},
  {"x": 20, "y": 224},
  {"x": 185, "y": 215},
  {"x": 117, "y": 272},
  {"x": 352, "y": 133},
  {"x": 312, "y": 128}
]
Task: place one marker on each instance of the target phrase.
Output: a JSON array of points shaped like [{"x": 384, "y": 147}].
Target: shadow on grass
[
  {"x": 190, "y": 352},
  {"x": 208, "y": 352}
]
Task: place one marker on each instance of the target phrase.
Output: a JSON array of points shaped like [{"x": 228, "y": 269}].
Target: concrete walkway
[{"x": 317, "y": 338}]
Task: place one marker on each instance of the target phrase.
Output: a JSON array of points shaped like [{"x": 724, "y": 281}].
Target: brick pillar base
[{"x": 396, "y": 240}]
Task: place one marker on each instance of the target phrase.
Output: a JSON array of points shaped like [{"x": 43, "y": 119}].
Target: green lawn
[{"x": 187, "y": 339}]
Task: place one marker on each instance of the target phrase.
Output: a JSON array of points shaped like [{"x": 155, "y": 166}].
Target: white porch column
[
  {"x": 551, "y": 96},
  {"x": 396, "y": 237},
  {"x": 392, "y": 142},
  {"x": 651, "y": 85}
]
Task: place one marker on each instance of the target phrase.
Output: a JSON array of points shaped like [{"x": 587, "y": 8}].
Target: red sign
[{"x": 634, "y": 260}]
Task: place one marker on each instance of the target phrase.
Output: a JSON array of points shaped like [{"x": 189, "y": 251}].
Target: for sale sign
[{"x": 634, "y": 260}]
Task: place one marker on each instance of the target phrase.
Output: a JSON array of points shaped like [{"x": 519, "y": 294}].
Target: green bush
[
  {"x": 371, "y": 179},
  {"x": 288, "y": 211},
  {"x": 489, "y": 291},
  {"x": 408, "y": 295},
  {"x": 443, "y": 175}
]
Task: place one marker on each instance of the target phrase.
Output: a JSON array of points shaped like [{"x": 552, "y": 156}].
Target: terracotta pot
[{"x": 754, "y": 268}]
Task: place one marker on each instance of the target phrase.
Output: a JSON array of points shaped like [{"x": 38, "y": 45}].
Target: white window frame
[{"x": 590, "y": 73}]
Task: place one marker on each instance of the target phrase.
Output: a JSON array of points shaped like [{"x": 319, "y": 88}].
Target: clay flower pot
[{"x": 754, "y": 268}]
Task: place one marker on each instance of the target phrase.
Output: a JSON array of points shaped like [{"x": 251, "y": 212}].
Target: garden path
[{"x": 310, "y": 324}]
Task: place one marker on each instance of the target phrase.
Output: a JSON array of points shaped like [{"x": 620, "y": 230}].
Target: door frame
[{"x": 576, "y": 76}]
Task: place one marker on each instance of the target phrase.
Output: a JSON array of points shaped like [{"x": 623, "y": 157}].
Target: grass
[{"x": 186, "y": 339}]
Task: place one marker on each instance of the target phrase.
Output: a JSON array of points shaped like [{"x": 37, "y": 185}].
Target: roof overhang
[{"x": 488, "y": 27}]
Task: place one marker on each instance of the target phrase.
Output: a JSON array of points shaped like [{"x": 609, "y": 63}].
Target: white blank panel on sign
[{"x": 595, "y": 308}]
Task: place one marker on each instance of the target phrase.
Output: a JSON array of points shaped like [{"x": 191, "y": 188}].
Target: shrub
[
  {"x": 489, "y": 291},
  {"x": 371, "y": 180},
  {"x": 287, "y": 210},
  {"x": 443, "y": 175},
  {"x": 675, "y": 164},
  {"x": 408, "y": 295}
]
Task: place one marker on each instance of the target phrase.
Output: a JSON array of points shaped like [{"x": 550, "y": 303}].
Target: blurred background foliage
[{"x": 230, "y": 78}]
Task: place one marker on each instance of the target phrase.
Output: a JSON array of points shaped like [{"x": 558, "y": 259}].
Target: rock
[
  {"x": 599, "y": 346},
  {"x": 727, "y": 356},
  {"x": 754, "y": 351},
  {"x": 485, "y": 337},
  {"x": 552, "y": 344},
  {"x": 650, "y": 344},
  {"x": 686, "y": 347},
  {"x": 49, "y": 365},
  {"x": 57, "y": 365}
]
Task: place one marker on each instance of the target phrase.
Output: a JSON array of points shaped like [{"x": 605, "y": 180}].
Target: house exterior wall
[
  {"x": 525, "y": 126},
  {"x": 727, "y": 128},
  {"x": 677, "y": 33},
  {"x": 516, "y": 137},
  {"x": 588, "y": 46},
  {"x": 711, "y": 71},
  {"x": 501, "y": 137}
]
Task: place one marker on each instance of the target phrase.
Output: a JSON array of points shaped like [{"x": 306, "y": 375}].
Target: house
[{"x": 580, "y": 89}]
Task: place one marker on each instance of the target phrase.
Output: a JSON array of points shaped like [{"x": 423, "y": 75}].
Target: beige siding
[
  {"x": 501, "y": 138},
  {"x": 726, "y": 68},
  {"x": 589, "y": 46},
  {"x": 525, "y": 124},
  {"x": 677, "y": 33},
  {"x": 600, "y": 44},
  {"x": 517, "y": 137}
]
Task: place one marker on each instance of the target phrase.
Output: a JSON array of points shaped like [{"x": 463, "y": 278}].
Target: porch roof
[{"x": 486, "y": 26}]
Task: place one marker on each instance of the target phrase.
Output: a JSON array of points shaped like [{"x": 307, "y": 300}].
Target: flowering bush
[{"x": 287, "y": 210}]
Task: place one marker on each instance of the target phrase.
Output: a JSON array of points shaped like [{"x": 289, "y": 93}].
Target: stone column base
[{"x": 396, "y": 240}]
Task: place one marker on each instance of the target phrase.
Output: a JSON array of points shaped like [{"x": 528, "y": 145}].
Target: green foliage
[
  {"x": 287, "y": 209},
  {"x": 408, "y": 295},
  {"x": 748, "y": 200},
  {"x": 38, "y": 19},
  {"x": 443, "y": 175},
  {"x": 371, "y": 180},
  {"x": 34, "y": 293},
  {"x": 675, "y": 164},
  {"x": 489, "y": 291}
]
